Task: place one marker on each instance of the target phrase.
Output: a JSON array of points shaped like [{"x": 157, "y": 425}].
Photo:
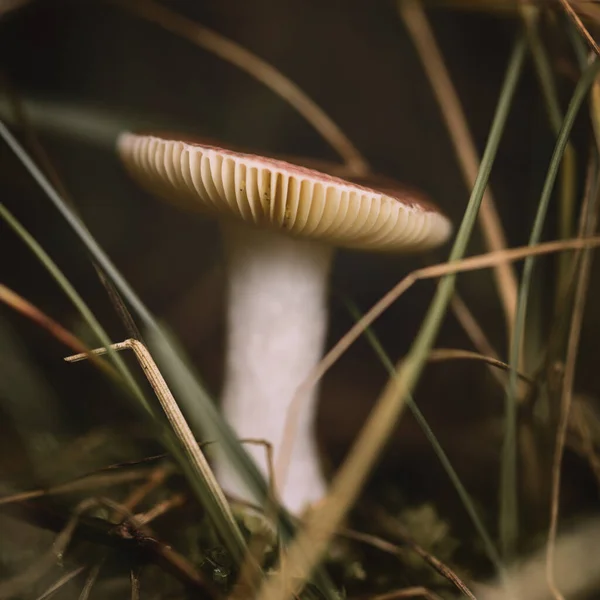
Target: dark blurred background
[{"x": 355, "y": 59}]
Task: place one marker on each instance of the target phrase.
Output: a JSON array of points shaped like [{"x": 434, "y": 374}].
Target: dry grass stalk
[{"x": 473, "y": 263}]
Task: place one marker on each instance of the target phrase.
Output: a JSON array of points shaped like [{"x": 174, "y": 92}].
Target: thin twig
[
  {"x": 120, "y": 536},
  {"x": 443, "y": 354},
  {"x": 175, "y": 501},
  {"x": 580, "y": 26},
  {"x": 388, "y": 547},
  {"x": 248, "y": 578},
  {"x": 131, "y": 528},
  {"x": 154, "y": 480}
]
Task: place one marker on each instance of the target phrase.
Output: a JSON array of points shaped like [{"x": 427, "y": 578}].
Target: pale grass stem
[{"x": 175, "y": 418}]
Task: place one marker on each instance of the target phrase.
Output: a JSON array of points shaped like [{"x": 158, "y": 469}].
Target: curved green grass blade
[
  {"x": 203, "y": 416},
  {"x": 78, "y": 302},
  {"x": 462, "y": 492},
  {"x": 214, "y": 504},
  {"x": 509, "y": 520},
  {"x": 306, "y": 551},
  {"x": 568, "y": 175}
]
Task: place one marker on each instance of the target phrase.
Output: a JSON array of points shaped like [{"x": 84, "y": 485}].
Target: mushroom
[{"x": 280, "y": 223}]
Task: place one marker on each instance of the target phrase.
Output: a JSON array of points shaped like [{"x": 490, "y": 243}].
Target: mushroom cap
[{"x": 278, "y": 195}]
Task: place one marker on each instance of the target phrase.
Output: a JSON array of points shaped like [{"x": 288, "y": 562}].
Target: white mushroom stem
[{"x": 277, "y": 322}]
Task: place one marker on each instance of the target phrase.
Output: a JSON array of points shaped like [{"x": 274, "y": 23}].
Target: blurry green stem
[
  {"x": 306, "y": 551},
  {"x": 415, "y": 20},
  {"x": 566, "y": 219},
  {"x": 198, "y": 406},
  {"x": 462, "y": 492},
  {"x": 509, "y": 522},
  {"x": 199, "y": 481}
]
